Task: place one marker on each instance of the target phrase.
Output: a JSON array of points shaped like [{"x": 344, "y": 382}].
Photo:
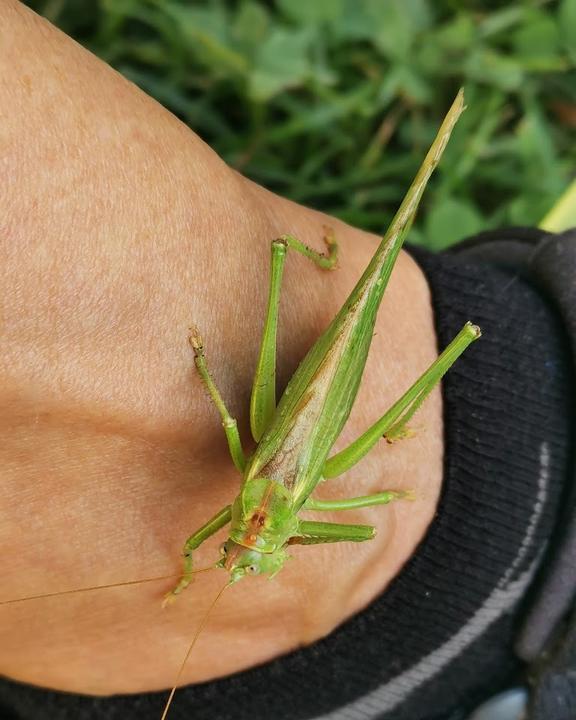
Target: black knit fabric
[{"x": 440, "y": 638}]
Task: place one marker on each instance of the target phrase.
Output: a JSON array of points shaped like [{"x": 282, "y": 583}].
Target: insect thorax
[{"x": 262, "y": 516}]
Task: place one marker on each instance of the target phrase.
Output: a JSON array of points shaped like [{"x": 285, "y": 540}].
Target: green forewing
[{"x": 318, "y": 399}]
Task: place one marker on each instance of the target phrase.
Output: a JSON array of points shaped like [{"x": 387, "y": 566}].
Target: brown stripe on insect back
[
  {"x": 283, "y": 465},
  {"x": 257, "y": 520},
  {"x": 287, "y": 463}
]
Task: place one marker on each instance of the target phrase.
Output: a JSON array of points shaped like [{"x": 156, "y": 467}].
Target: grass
[{"x": 333, "y": 102}]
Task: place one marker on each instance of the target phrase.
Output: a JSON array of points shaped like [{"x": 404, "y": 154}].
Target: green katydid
[{"x": 295, "y": 437}]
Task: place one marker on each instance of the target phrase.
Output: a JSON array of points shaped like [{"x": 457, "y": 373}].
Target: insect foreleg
[
  {"x": 381, "y": 498},
  {"x": 219, "y": 520},
  {"x": 393, "y": 423},
  {"x": 228, "y": 422},
  {"x": 311, "y": 532},
  {"x": 263, "y": 400}
]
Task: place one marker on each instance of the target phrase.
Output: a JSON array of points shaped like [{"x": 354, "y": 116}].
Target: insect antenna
[
  {"x": 197, "y": 634},
  {"x": 101, "y": 587}
]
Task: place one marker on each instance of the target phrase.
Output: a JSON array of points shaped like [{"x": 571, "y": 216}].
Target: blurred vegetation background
[{"x": 333, "y": 102}]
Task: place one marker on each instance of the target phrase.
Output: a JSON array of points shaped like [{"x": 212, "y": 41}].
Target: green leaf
[
  {"x": 451, "y": 220},
  {"x": 281, "y": 62},
  {"x": 495, "y": 23},
  {"x": 311, "y": 11},
  {"x": 567, "y": 22},
  {"x": 538, "y": 40},
  {"x": 207, "y": 34},
  {"x": 403, "y": 80},
  {"x": 456, "y": 35},
  {"x": 395, "y": 25},
  {"x": 251, "y": 26},
  {"x": 535, "y": 141},
  {"x": 494, "y": 68},
  {"x": 529, "y": 208},
  {"x": 120, "y": 7},
  {"x": 391, "y": 25}
]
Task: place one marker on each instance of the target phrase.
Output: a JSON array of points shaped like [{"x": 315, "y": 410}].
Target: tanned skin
[{"x": 119, "y": 228}]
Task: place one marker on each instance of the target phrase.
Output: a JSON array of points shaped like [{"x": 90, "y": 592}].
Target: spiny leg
[
  {"x": 311, "y": 532},
  {"x": 228, "y": 422},
  {"x": 392, "y": 424},
  {"x": 219, "y": 520},
  {"x": 328, "y": 262},
  {"x": 263, "y": 400},
  {"x": 381, "y": 498}
]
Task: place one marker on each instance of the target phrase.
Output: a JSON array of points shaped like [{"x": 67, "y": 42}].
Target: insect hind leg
[
  {"x": 263, "y": 399},
  {"x": 392, "y": 425}
]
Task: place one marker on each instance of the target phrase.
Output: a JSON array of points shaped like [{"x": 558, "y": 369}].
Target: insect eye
[
  {"x": 252, "y": 569},
  {"x": 223, "y": 550}
]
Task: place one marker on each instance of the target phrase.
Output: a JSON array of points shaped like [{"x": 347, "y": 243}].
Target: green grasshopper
[{"x": 295, "y": 437}]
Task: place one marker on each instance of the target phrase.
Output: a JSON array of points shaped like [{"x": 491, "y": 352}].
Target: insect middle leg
[
  {"x": 263, "y": 399},
  {"x": 219, "y": 520}
]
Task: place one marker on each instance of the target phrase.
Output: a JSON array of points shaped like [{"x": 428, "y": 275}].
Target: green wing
[{"x": 318, "y": 399}]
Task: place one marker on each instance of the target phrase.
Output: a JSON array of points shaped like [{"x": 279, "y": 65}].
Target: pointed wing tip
[{"x": 457, "y": 108}]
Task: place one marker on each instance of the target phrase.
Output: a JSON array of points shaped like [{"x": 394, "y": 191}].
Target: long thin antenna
[
  {"x": 190, "y": 648},
  {"x": 101, "y": 587}
]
